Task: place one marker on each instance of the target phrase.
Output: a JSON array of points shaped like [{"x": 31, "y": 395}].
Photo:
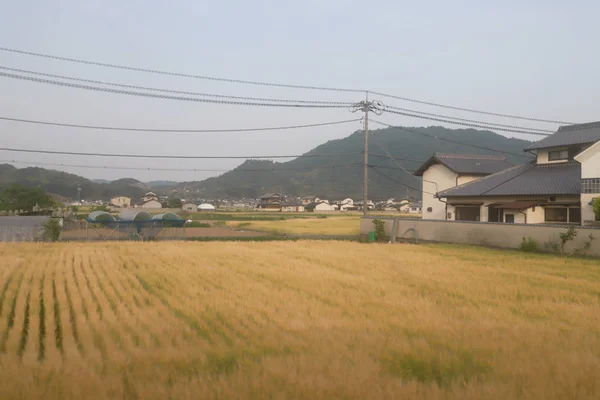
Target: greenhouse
[{"x": 135, "y": 225}]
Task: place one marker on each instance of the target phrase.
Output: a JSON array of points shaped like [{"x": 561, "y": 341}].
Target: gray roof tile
[
  {"x": 466, "y": 163},
  {"x": 524, "y": 180},
  {"x": 570, "y": 135}
]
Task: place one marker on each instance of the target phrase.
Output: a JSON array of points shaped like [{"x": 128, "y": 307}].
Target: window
[
  {"x": 467, "y": 213},
  {"x": 590, "y": 185},
  {"x": 509, "y": 218},
  {"x": 558, "y": 155},
  {"x": 555, "y": 214},
  {"x": 563, "y": 214},
  {"x": 575, "y": 215}
]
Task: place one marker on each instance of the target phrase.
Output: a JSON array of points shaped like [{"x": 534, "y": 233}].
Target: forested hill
[
  {"x": 65, "y": 184},
  {"x": 303, "y": 176}
]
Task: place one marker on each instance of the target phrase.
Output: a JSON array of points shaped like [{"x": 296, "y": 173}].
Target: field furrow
[
  {"x": 101, "y": 333},
  {"x": 121, "y": 332},
  {"x": 295, "y": 320},
  {"x": 11, "y": 314},
  {"x": 144, "y": 329}
]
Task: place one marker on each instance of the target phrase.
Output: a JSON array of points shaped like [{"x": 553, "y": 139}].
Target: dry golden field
[{"x": 310, "y": 320}]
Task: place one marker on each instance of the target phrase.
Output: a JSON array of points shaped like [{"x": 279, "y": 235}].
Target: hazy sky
[{"x": 532, "y": 58}]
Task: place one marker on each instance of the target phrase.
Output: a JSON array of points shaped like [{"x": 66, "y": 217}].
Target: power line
[
  {"x": 397, "y": 158},
  {"x": 269, "y": 99},
  {"x": 546, "y": 131},
  {"x": 179, "y": 157},
  {"x": 109, "y": 167},
  {"x": 323, "y": 88},
  {"x": 164, "y": 96},
  {"x": 397, "y": 181},
  {"x": 272, "y": 128},
  {"x": 461, "y": 123},
  {"x": 470, "y": 109},
  {"x": 451, "y": 141},
  {"x": 154, "y": 71}
]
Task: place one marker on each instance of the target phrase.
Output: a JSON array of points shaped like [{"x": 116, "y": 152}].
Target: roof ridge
[
  {"x": 575, "y": 127},
  {"x": 488, "y": 177},
  {"x": 470, "y": 156}
]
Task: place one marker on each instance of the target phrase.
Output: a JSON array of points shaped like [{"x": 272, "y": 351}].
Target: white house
[
  {"x": 292, "y": 206},
  {"x": 556, "y": 187},
  {"x": 445, "y": 170},
  {"x": 346, "y": 205},
  {"x": 414, "y": 208},
  {"x": 121, "y": 201},
  {"x": 189, "y": 207},
  {"x": 150, "y": 204},
  {"x": 322, "y": 206},
  {"x": 149, "y": 196}
]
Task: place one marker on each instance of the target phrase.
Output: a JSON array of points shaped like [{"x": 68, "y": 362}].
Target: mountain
[
  {"x": 332, "y": 177},
  {"x": 161, "y": 184},
  {"x": 65, "y": 185}
]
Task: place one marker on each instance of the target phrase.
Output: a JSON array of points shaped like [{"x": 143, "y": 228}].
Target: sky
[{"x": 535, "y": 58}]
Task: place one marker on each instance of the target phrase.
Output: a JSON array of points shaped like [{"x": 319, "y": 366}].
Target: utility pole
[
  {"x": 366, "y": 158},
  {"x": 366, "y": 106},
  {"x": 79, "y": 195}
]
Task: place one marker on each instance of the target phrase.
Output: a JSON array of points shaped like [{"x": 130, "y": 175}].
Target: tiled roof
[
  {"x": 466, "y": 163},
  {"x": 570, "y": 135},
  {"x": 524, "y": 180},
  {"x": 269, "y": 195}
]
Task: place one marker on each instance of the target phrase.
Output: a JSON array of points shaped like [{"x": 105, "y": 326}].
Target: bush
[
  {"x": 51, "y": 230},
  {"x": 379, "y": 229},
  {"x": 529, "y": 244},
  {"x": 596, "y": 206}
]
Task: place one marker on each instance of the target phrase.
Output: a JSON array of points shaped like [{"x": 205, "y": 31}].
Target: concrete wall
[
  {"x": 435, "y": 179},
  {"x": 478, "y": 233}
]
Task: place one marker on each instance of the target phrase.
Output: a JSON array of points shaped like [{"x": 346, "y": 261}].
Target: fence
[
  {"x": 122, "y": 230},
  {"x": 21, "y": 228},
  {"x": 481, "y": 233}
]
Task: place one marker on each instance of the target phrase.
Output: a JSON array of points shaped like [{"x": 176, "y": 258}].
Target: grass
[
  {"x": 296, "y": 319},
  {"x": 314, "y": 226}
]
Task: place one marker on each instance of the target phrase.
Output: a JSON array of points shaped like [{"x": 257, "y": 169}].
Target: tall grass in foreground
[{"x": 305, "y": 319}]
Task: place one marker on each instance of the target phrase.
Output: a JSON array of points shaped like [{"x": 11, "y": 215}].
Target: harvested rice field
[{"x": 305, "y": 320}]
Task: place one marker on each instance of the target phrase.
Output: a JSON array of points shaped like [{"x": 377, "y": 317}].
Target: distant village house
[{"x": 121, "y": 201}]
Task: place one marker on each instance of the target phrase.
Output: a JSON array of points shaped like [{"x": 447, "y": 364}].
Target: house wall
[
  {"x": 189, "y": 207},
  {"x": 151, "y": 204},
  {"x": 477, "y": 233},
  {"x": 542, "y": 156},
  {"x": 324, "y": 207},
  {"x": 462, "y": 179},
  {"x": 587, "y": 210},
  {"x": 121, "y": 201},
  {"x": 590, "y": 168},
  {"x": 536, "y": 215},
  {"x": 435, "y": 179}
]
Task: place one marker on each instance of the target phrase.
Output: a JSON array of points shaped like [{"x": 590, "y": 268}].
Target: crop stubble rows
[{"x": 305, "y": 319}]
